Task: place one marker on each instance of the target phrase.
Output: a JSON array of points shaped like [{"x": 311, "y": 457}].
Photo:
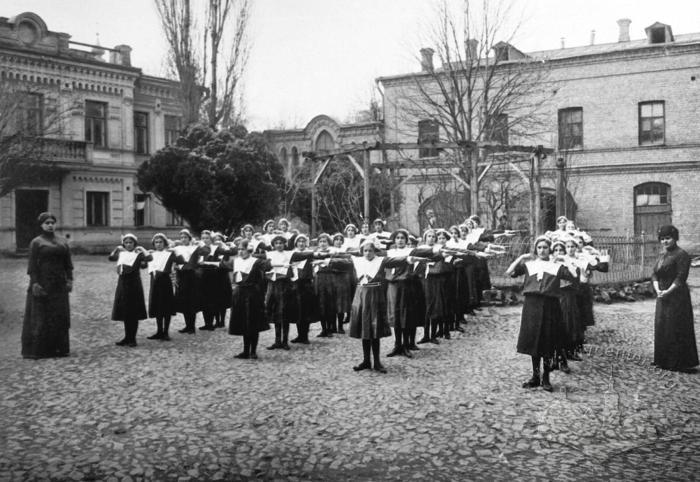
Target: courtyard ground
[{"x": 187, "y": 410}]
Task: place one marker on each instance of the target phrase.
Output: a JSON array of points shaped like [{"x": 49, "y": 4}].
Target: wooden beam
[
  {"x": 320, "y": 171},
  {"x": 485, "y": 170},
  {"x": 460, "y": 180},
  {"x": 354, "y": 162}
]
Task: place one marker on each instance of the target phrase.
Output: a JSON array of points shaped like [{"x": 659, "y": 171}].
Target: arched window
[
  {"x": 295, "y": 156},
  {"x": 284, "y": 159},
  {"x": 652, "y": 207},
  {"x": 324, "y": 142}
]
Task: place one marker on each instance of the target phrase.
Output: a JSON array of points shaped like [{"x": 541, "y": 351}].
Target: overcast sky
[{"x": 314, "y": 57}]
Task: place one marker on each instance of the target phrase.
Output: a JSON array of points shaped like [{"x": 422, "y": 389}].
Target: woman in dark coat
[
  {"x": 304, "y": 301},
  {"x": 129, "y": 303},
  {"x": 248, "y": 299},
  {"x": 47, "y": 313},
  {"x": 541, "y": 333},
  {"x": 161, "y": 298},
  {"x": 209, "y": 286},
  {"x": 674, "y": 334},
  {"x": 223, "y": 283}
]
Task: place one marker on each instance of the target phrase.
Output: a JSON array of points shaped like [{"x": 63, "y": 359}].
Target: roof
[{"x": 586, "y": 51}]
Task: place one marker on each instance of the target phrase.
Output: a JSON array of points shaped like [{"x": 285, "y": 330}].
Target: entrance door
[{"x": 29, "y": 203}]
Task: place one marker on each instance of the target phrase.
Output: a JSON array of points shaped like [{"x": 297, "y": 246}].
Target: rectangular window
[
  {"x": 96, "y": 123},
  {"x": 571, "y": 128},
  {"x": 652, "y": 124},
  {"x": 172, "y": 129},
  {"x": 140, "y": 209},
  {"x": 428, "y": 133},
  {"x": 141, "y": 132},
  {"x": 97, "y": 208},
  {"x": 496, "y": 129},
  {"x": 32, "y": 114},
  {"x": 174, "y": 219}
]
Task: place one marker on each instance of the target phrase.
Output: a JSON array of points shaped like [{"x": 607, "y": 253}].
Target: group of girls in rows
[{"x": 375, "y": 280}]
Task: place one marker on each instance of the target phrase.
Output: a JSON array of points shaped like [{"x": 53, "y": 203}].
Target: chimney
[
  {"x": 592, "y": 37},
  {"x": 624, "y": 24},
  {"x": 471, "y": 46},
  {"x": 426, "y": 63},
  {"x": 122, "y": 56},
  {"x": 563, "y": 42}
]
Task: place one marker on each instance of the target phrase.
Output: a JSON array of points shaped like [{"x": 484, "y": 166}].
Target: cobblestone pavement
[{"x": 187, "y": 410}]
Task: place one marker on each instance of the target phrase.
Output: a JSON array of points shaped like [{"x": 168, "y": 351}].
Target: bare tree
[
  {"x": 31, "y": 125},
  {"x": 208, "y": 53},
  {"x": 483, "y": 92}
]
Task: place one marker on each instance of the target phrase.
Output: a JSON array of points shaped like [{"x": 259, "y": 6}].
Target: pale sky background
[{"x": 314, "y": 57}]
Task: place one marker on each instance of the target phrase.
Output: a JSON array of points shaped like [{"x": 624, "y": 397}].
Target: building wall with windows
[
  {"x": 623, "y": 115},
  {"x": 103, "y": 116}
]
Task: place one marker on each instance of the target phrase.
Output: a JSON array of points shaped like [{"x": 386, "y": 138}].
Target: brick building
[
  {"x": 106, "y": 117},
  {"x": 623, "y": 115}
]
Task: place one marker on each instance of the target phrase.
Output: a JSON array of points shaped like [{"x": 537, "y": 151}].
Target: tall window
[
  {"x": 651, "y": 123},
  {"x": 96, "y": 123},
  {"x": 428, "y": 133},
  {"x": 571, "y": 128},
  {"x": 174, "y": 220},
  {"x": 32, "y": 119},
  {"x": 140, "y": 209},
  {"x": 97, "y": 208},
  {"x": 284, "y": 158},
  {"x": 325, "y": 142},
  {"x": 141, "y": 132},
  {"x": 496, "y": 128},
  {"x": 295, "y": 156},
  {"x": 652, "y": 207},
  {"x": 172, "y": 129}
]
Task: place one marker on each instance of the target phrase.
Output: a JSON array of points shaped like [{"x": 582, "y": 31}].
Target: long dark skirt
[
  {"x": 584, "y": 301},
  {"x": 247, "y": 311},
  {"x": 304, "y": 302},
  {"x": 46, "y": 325},
  {"x": 325, "y": 295},
  {"x": 342, "y": 288},
  {"x": 571, "y": 319},
  {"x": 466, "y": 296},
  {"x": 161, "y": 298},
  {"x": 129, "y": 302},
  {"x": 541, "y": 331},
  {"x": 223, "y": 289},
  {"x": 438, "y": 299},
  {"x": 212, "y": 297},
  {"x": 278, "y": 301},
  {"x": 368, "y": 313},
  {"x": 483, "y": 277},
  {"x": 186, "y": 298},
  {"x": 403, "y": 306},
  {"x": 674, "y": 333}
]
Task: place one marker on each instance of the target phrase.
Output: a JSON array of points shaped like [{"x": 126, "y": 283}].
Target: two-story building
[
  {"x": 103, "y": 117},
  {"x": 622, "y": 115}
]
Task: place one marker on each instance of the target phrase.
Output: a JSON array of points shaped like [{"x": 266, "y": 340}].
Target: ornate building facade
[{"x": 101, "y": 117}]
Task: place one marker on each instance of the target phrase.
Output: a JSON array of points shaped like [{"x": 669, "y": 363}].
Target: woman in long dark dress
[
  {"x": 186, "y": 289},
  {"x": 161, "y": 298},
  {"x": 248, "y": 299},
  {"x": 674, "y": 334},
  {"x": 47, "y": 313},
  {"x": 541, "y": 331},
  {"x": 129, "y": 303}
]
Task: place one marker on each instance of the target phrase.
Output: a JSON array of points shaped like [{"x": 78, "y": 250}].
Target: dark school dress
[
  {"x": 437, "y": 292},
  {"x": 541, "y": 331},
  {"x": 403, "y": 293},
  {"x": 584, "y": 293},
  {"x": 129, "y": 302},
  {"x": 674, "y": 333},
  {"x": 161, "y": 297},
  {"x": 368, "y": 319},
  {"x": 304, "y": 301},
  {"x": 186, "y": 293},
  {"x": 279, "y": 297},
  {"x": 248, "y": 297},
  {"x": 572, "y": 325},
  {"x": 209, "y": 294},
  {"x": 47, "y": 318}
]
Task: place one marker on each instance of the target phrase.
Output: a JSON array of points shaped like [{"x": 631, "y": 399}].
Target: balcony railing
[{"x": 65, "y": 150}]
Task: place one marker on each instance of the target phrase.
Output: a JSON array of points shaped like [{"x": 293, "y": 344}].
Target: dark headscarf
[
  {"x": 668, "y": 230},
  {"x": 44, "y": 216}
]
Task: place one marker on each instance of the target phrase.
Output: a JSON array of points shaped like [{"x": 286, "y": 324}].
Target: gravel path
[{"x": 187, "y": 410}]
